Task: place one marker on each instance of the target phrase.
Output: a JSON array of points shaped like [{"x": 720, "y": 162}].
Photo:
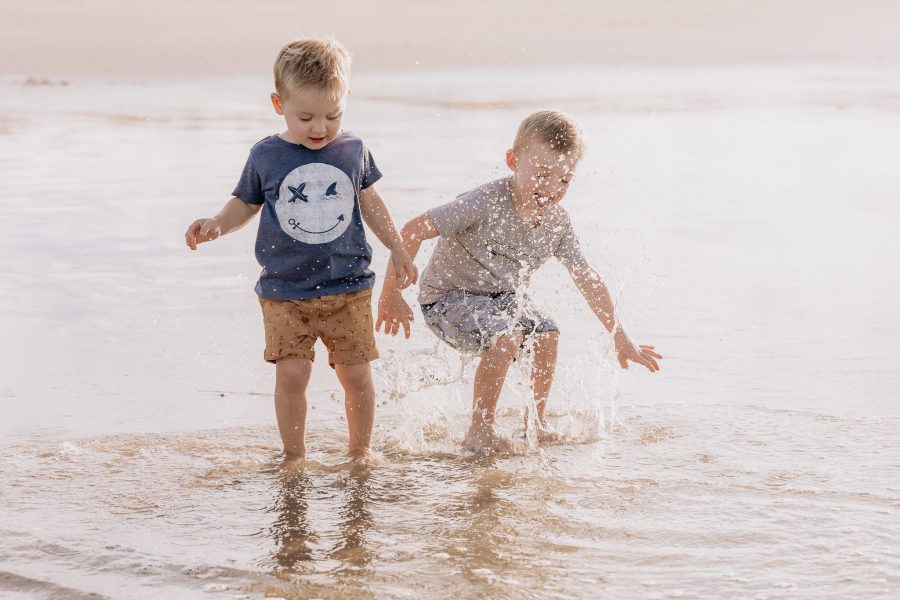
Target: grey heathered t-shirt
[{"x": 486, "y": 248}]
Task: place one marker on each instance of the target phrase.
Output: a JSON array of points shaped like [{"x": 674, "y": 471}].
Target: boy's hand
[
  {"x": 405, "y": 272},
  {"x": 202, "y": 230},
  {"x": 393, "y": 313},
  {"x": 628, "y": 350}
]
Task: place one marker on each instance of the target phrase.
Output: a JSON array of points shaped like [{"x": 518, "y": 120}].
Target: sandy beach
[
  {"x": 739, "y": 195},
  {"x": 201, "y": 37}
]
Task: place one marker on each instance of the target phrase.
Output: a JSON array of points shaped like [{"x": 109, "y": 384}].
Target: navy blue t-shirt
[{"x": 311, "y": 240}]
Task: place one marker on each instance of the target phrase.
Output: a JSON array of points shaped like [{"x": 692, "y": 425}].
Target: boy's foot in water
[{"x": 485, "y": 440}]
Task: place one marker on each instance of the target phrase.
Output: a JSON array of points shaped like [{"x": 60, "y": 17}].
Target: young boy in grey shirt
[{"x": 492, "y": 239}]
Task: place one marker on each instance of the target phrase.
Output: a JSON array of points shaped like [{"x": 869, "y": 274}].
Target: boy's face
[
  {"x": 313, "y": 119},
  {"x": 541, "y": 175}
]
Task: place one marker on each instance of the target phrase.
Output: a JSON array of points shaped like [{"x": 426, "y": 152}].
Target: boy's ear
[
  {"x": 276, "y": 103},
  {"x": 512, "y": 161}
]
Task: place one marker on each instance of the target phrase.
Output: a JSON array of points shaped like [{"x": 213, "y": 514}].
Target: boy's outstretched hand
[
  {"x": 393, "y": 313},
  {"x": 405, "y": 271},
  {"x": 627, "y": 350},
  {"x": 202, "y": 230}
]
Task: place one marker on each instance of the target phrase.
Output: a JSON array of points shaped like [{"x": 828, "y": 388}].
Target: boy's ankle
[
  {"x": 480, "y": 426},
  {"x": 295, "y": 454},
  {"x": 359, "y": 452}
]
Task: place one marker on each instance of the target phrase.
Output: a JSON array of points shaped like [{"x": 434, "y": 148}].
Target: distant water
[{"x": 744, "y": 218}]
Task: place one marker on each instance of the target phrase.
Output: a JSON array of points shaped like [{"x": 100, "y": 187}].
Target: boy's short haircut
[
  {"x": 554, "y": 128},
  {"x": 318, "y": 63}
]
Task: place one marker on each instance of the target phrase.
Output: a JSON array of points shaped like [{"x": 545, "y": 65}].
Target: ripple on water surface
[{"x": 678, "y": 501}]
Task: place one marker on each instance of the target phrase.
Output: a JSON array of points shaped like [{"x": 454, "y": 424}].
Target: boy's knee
[
  {"x": 549, "y": 338},
  {"x": 293, "y": 372},
  {"x": 358, "y": 376},
  {"x": 507, "y": 345}
]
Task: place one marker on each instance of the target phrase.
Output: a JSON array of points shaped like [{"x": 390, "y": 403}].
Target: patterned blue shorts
[{"x": 471, "y": 323}]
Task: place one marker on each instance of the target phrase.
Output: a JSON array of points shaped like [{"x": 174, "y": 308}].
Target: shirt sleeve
[
  {"x": 249, "y": 187},
  {"x": 568, "y": 250},
  {"x": 460, "y": 214},
  {"x": 370, "y": 171}
]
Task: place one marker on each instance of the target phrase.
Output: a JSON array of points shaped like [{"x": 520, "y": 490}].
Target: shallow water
[
  {"x": 673, "y": 502},
  {"x": 744, "y": 218}
]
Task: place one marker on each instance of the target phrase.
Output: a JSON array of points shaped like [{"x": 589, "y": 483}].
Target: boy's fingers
[
  {"x": 650, "y": 351},
  {"x": 406, "y": 329},
  {"x": 189, "y": 235},
  {"x": 649, "y": 363},
  {"x": 209, "y": 232},
  {"x": 623, "y": 362}
]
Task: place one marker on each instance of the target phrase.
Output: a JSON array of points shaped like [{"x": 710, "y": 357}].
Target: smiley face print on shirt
[{"x": 315, "y": 203}]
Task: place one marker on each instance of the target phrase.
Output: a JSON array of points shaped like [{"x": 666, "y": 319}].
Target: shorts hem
[{"x": 356, "y": 359}]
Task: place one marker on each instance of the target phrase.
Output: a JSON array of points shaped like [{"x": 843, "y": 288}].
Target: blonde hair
[
  {"x": 317, "y": 63},
  {"x": 554, "y": 128}
]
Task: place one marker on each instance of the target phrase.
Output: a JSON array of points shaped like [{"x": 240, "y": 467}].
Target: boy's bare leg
[
  {"x": 291, "y": 379},
  {"x": 489, "y": 379},
  {"x": 542, "y": 370},
  {"x": 359, "y": 402}
]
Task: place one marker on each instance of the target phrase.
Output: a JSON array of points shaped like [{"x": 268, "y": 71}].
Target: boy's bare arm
[
  {"x": 376, "y": 215},
  {"x": 393, "y": 311},
  {"x": 594, "y": 290},
  {"x": 235, "y": 214},
  {"x": 413, "y": 234}
]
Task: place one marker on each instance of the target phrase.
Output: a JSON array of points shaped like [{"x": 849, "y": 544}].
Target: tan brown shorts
[{"x": 342, "y": 321}]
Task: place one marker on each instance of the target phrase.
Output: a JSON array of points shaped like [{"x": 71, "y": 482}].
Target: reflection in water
[
  {"x": 297, "y": 541},
  {"x": 356, "y": 520},
  {"x": 486, "y": 550},
  {"x": 486, "y": 506},
  {"x": 291, "y": 530}
]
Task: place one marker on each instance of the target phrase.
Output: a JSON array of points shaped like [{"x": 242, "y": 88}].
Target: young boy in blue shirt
[
  {"x": 473, "y": 293},
  {"x": 314, "y": 186}
]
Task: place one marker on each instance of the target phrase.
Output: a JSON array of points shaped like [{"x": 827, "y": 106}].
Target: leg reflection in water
[
  {"x": 343, "y": 523},
  {"x": 355, "y": 519},
  {"x": 291, "y": 531}
]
